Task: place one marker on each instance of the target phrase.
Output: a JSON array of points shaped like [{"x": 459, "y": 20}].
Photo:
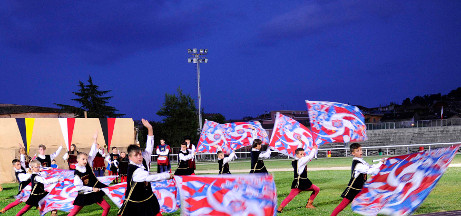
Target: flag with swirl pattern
[
  {"x": 227, "y": 195},
  {"x": 241, "y": 134},
  {"x": 403, "y": 182},
  {"x": 288, "y": 135},
  {"x": 212, "y": 134},
  {"x": 63, "y": 195},
  {"x": 165, "y": 191},
  {"x": 333, "y": 122}
]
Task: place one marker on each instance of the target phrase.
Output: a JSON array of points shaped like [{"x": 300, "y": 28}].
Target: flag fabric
[
  {"x": 288, "y": 134},
  {"x": 62, "y": 196},
  {"x": 67, "y": 129},
  {"x": 333, "y": 122},
  {"x": 240, "y": 134},
  {"x": 227, "y": 195},
  {"x": 403, "y": 182},
  {"x": 26, "y": 127},
  {"x": 212, "y": 134},
  {"x": 165, "y": 191},
  {"x": 107, "y": 126}
]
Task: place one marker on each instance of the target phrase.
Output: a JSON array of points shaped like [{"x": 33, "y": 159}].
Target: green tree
[
  {"x": 179, "y": 118},
  {"x": 92, "y": 100}
]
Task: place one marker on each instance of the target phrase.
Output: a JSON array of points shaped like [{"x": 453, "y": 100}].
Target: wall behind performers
[{"x": 47, "y": 131}]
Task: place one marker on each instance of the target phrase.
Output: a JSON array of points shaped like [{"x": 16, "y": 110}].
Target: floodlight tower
[{"x": 198, "y": 56}]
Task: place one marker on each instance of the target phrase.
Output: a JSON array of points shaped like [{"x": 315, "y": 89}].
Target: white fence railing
[{"x": 414, "y": 124}]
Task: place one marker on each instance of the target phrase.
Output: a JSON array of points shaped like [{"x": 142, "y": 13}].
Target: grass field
[{"x": 445, "y": 196}]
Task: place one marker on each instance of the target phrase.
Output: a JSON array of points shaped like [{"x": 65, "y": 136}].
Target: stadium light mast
[{"x": 198, "y": 56}]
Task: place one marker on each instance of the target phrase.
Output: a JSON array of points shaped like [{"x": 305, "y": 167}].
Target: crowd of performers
[{"x": 133, "y": 167}]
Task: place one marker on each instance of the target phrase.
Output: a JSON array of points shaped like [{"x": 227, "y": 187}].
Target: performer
[
  {"x": 18, "y": 171},
  {"x": 38, "y": 186},
  {"x": 184, "y": 156},
  {"x": 98, "y": 161},
  {"x": 147, "y": 153},
  {"x": 53, "y": 164},
  {"x": 139, "y": 198},
  {"x": 224, "y": 161},
  {"x": 257, "y": 164},
  {"x": 163, "y": 162},
  {"x": 87, "y": 185},
  {"x": 113, "y": 160},
  {"x": 359, "y": 171},
  {"x": 24, "y": 158},
  {"x": 300, "y": 181},
  {"x": 71, "y": 157},
  {"x": 123, "y": 166},
  {"x": 45, "y": 160},
  {"x": 191, "y": 149}
]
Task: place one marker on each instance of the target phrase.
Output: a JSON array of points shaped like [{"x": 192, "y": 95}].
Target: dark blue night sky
[{"x": 263, "y": 55}]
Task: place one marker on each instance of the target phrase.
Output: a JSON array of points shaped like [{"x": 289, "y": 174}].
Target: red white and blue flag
[
  {"x": 227, "y": 195},
  {"x": 333, "y": 122},
  {"x": 212, "y": 134},
  {"x": 241, "y": 134},
  {"x": 403, "y": 182},
  {"x": 288, "y": 135},
  {"x": 165, "y": 191}
]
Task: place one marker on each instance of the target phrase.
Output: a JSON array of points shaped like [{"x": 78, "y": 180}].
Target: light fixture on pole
[{"x": 198, "y": 56}]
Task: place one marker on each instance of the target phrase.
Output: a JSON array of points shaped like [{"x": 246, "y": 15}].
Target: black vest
[
  {"x": 114, "y": 157},
  {"x": 300, "y": 181},
  {"x": 223, "y": 168},
  {"x": 38, "y": 188},
  {"x": 45, "y": 162},
  {"x": 23, "y": 184},
  {"x": 88, "y": 178},
  {"x": 361, "y": 178},
  {"x": 257, "y": 165},
  {"x": 137, "y": 191},
  {"x": 123, "y": 166}
]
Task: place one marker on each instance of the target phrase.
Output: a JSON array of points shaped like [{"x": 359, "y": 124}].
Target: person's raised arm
[
  {"x": 92, "y": 154},
  {"x": 266, "y": 154},
  {"x": 54, "y": 155}
]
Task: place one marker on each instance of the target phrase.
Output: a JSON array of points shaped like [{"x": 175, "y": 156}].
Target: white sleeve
[
  {"x": 266, "y": 154},
  {"x": 92, "y": 154},
  {"x": 184, "y": 158},
  {"x": 54, "y": 155},
  {"x": 141, "y": 175},
  {"x": 147, "y": 153},
  {"x": 371, "y": 170},
  {"x": 79, "y": 185},
  {"x": 230, "y": 158},
  {"x": 45, "y": 181},
  {"x": 164, "y": 153},
  {"x": 157, "y": 151},
  {"x": 108, "y": 159},
  {"x": 23, "y": 161},
  {"x": 24, "y": 176},
  {"x": 66, "y": 156}
]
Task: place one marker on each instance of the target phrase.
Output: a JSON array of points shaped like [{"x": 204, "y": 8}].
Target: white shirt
[
  {"x": 52, "y": 156},
  {"x": 79, "y": 183},
  {"x": 39, "y": 178},
  {"x": 365, "y": 168},
  {"x": 141, "y": 175},
  {"x": 231, "y": 156},
  {"x": 264, "y": 155},
  {"x": 185, "y": 157},
  {"x": 93, "y": 151},
  {"x": 146, "y": 154},
  {"x": 302, "y": 162},
  {"x": 23, "y": 161}
]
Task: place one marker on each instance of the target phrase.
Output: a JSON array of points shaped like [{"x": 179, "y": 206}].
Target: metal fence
[{"x": 414, "y": 124}]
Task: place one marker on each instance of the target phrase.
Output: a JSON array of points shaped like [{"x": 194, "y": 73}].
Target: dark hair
[
  {"x": 75, "y": 146},
  {"x": 256, "y": 142},
  {"x": 53, "y": 160},
  {"x": 114, "y": 148},
  {"x": 162, "y": 139},
  {"x": 15, "y": 160},
  {"x": 42, "y": 146},
  {"x": 219, "y": 152},
  {"x": 187, "y": 138},
  {"x": 184, "y": 143},
  {"x": 354, "y": 146},
  {"x": 298, "y": 150},
  {"x": 133, "y": 149}
]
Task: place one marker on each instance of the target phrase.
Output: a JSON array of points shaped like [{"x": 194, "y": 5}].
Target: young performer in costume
[
  {"x": 24, "y": 158},
  {"x": 113, "y": 160},
  {"x": 224, "y": 161},
  {"x": 38, "y": 186},
  {"x": 191, "y": 149},
  {"x": 53, "y": 164},
  {"x": 18, "y": 171},
  {"x": 184, "y": 157},
  {"x": 71, "y": 157},
  {"x": 123, "y": 166},
  {"x": 300, "y": 181},
  {"x": 87, "y": 185},
  {"x": 163, "y": 162},
  {"x": 45, "y": 160},
  {"x": 359, "y": 171},
  {"x": 146, "y": 154},
  {"x": 139, "y": 198},
  {"x": 257, "y": 164}
]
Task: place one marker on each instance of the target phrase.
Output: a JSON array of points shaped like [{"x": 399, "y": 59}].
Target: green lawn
[{"x": 445, "y": 196}]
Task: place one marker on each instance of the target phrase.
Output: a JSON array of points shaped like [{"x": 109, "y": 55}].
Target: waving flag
[
  {"x": 241, "y": 134},
  {"x": 62, "y": 196},
  {"x": 227, "y": 195},
  {"x": 48, "y": 173},
  {"x": 165, "y": 191},
  {"x": 333, "y": 122},
  {"x": 403, "y": 182},
  {"x": 67, "y": 129},
  {"x": 212, "y": 134},
  {"x": 288, "y": 134}
]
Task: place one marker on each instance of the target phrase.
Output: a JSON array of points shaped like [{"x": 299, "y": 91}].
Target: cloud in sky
[
  {"x": 100, "y": 31},
  {"x": 314, "y": 16}
]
